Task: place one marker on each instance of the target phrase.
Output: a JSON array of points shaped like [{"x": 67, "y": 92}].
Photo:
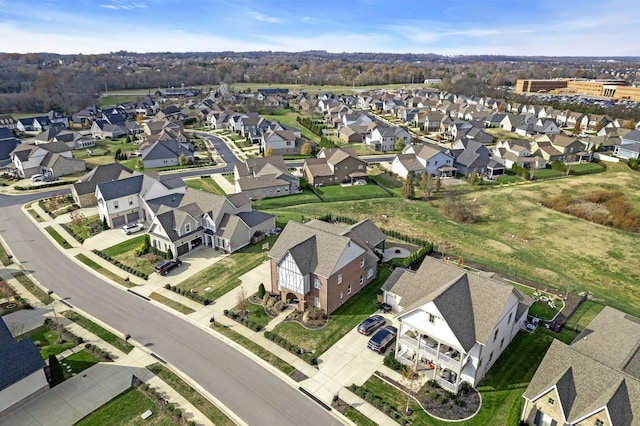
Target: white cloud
[
  {"x": 265, "y": 18},
  {"x": 124, "y": 5}
]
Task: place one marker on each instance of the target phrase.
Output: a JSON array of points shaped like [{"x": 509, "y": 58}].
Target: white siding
[{"x": 290, "y": 277}]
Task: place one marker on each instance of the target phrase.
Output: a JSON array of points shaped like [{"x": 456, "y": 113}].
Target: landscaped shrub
[
  {"x": 391, "y": 361},
  {"x": 261, "y": 291}
]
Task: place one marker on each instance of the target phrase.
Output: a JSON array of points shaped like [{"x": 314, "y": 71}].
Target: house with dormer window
[
  {"x": 322, "y": 265},
  {"x": 453, "y": 323}
]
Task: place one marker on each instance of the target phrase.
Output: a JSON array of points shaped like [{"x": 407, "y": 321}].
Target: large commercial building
[{"x": 616, "y": 89}]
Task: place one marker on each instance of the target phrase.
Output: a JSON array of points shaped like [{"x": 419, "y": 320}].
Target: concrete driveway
[{"x": 348, "y": 361}]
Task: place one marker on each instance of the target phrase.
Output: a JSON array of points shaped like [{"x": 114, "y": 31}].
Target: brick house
[{"x": 322, "y": 265}]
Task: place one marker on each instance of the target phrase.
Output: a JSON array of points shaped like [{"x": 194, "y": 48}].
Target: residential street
[{"x": 255, "y": 394}]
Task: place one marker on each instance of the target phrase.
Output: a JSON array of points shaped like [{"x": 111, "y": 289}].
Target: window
[
  {"x": 509, "y": 320},
  {"x": 490, "y": 356},
  {"x": 339, "y": 278},
  {"x": 501, "y": 342},
  {"x": 362, "y": 262},
  {"x": 361, "y": 280},
  {"x": 340, "y": 295},
  {"x": 495, "y": 335},
  {"x": 432, "y": 318},
  {"x": 349, "y": 289},
  {"x": 116, "y": 205},
  {"x": 369, "y": 273},
  {"x": 599, "y": 422},
  {"x": 187, "y": 227},
  {"x": 316, "y": 301},
  {"x": 550, "y": 401},
  {"x": 130, "y": 201},
  {"x": 542, "y": 419},
  {"x": 316, "y": 282}
]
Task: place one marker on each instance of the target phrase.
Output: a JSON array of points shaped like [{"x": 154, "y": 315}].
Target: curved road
[{"x": 253, "y": 393}]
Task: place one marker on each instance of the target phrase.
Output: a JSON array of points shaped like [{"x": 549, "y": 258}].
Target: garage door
[
  {"x": 133, "y": 217},
  {"x": 182, "y": 249},
  {"x": 117, "y": 221}
]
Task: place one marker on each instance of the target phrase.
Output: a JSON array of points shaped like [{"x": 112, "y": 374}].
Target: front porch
[{"x": 432, "y": 358}]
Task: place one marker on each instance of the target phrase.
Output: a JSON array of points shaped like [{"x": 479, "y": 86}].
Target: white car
[{"x": 132, "y": 227}]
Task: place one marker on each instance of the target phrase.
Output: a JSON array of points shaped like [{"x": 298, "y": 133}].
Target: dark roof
[
  {"x": 121, "y": 188},
  {"x": 19, "y": 359},
  {"x": 162, "y": 149},
  {"x": 7, "y": 146},
  {"x": 103, "y": 173},
  {"x": 254, "y": 218}
]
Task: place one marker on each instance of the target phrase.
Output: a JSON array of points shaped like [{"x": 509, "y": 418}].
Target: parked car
[
  {"x": 371, "y": 324},
  {"x": 37, "y": 178},
  {"x": 132, "y": 227},
  {"x": 383, "y": 339},
  {"x": 163, "y": 268}
]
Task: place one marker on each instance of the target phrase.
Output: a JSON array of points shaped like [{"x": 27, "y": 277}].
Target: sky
[{"x": 460, "y": 27}]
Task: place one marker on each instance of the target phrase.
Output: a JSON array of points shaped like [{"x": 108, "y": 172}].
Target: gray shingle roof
[
  {"x": 18, "y": 359},
  {"x": 103, "y": 173},
  {"x": 121, "y": 188},
  {"x": 254, "y": 218},
  {"x": 470, "y": 303}
]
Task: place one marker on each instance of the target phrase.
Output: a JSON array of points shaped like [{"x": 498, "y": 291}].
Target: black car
[
  {"x": 371, "y": 324},
  {"x": 163, "y": 268},
  {"x": 383, "y": 339}
]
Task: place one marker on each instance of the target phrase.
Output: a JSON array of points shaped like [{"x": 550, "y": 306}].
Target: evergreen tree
[
  {"x": 56, "y": 373},
  {"x": 408, "y": 190}
]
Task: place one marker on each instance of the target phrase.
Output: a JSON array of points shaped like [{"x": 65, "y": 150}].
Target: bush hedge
[
  {"x": 246, "y": 321},
  {"x": 190, "y": 294},
  {"x": 291, "y": 347},
  {"x": 121, "y": 265},
  {"x": 380, "y": 404}
]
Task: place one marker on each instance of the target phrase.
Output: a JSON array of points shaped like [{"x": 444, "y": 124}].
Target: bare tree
[{"x": 241, "y": 299}]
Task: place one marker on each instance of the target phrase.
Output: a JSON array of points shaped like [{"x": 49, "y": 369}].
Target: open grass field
[
  {"x": 125, "y": 409},
  {"x": 346, "y": 317},
  {"x": 517, "y": 236}
]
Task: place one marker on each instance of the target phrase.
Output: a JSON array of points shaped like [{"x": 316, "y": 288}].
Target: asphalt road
[{"x": 256, "y": 395}]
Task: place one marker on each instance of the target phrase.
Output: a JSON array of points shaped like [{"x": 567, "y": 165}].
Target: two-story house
[
  {"x": 517, "y": 152},
  {"x": 322, "y": 265},
  {"x": 593, "y": 381},
  {"x": 164, "y": 153},
  {"x": 52, "y": 159},
  {"x": 282, "y": 142},
  {"x": 568, "y": 146},
  {"x": 421, "y": 158},
  {"x": 197, "y": 218},
  {"x": 265, "y": 177},
  {"x": 384, "y": 138},
  {"x": 334, "y": 166},
  {"x": 454, "y": 324}
]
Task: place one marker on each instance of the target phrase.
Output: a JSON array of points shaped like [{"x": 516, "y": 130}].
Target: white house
[
  {"x": 453, "y": 324},
  {"x": 423, "y": 157},
  {"x": 629, "y": 147},
  {"x": 384, "y": 138}
]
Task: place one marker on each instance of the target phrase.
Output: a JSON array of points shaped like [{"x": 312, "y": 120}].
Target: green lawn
[
  {"x": 85, "y": 229},
  {"x": 586, "y": 168},
  {"x": 59, "y": 238},
  {"x": 205, "y": 184},
  {"x": 346, "y": 317},
  {"x": 583, "y": 315},
  {"x": 125, "y": 410},
  {"x": 358, "y": 418},
  {"x": 204, "y": 405},
  {"x": 32, "y": 287},
  {"x": 171, "y": 303},
  {"x": 543, "y": 311},
  {"x": 352, "y": 192},
  {"x": 222, "y": 276},
  {"x": 123, "y": 252},
  {"x": 105, "y": 335},
  {"x": 508, "y": 179},
  {"x": 78, "y": 362},
  {"x": 258, "y": 315},
  {"x": 281, "y": 365},
  {"x": 546, "y": 173},
  {"x": 304, "y": 197},
  {"x": 47, "y": 341}
]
